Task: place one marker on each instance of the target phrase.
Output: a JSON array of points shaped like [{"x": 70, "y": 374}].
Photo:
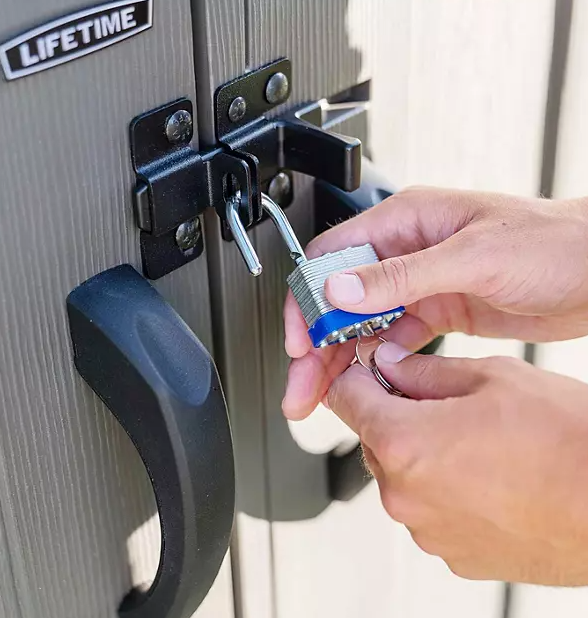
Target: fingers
[
  {"x": 297, "y": 340},
  {"x": 310, "y": 376},
  {"x": 410, "y": 220},
  {"x": 430, "y": 376},
  {"x": 389, "y": 428},
  {"x": 364, "y": 406},
  {"x": 410, "y": 332},
  {"x": 351, "y": 233},
  {"x": 452, "y": 266}
]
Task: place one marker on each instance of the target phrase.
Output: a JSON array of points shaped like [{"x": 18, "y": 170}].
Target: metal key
[{"x": 373, "y": 367}]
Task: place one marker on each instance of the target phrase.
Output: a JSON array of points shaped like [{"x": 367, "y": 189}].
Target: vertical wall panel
[
  {"x": 459, "y": 94},
  {"x": 568, "y": 358}
]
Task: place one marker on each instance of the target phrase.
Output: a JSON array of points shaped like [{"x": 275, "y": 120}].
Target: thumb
[
  {"x": 427, "y": 376},
  {"x": 451, "y": 266}
]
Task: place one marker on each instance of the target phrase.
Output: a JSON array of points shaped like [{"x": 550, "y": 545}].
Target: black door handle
[
  {"x": 159, "y": 381},
  {"x": 346, "y": 474}
]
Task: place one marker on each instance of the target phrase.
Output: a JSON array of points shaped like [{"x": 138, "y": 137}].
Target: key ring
[
  {"x": 358, "y": 346},
  {"x": 373, "y": 367}
]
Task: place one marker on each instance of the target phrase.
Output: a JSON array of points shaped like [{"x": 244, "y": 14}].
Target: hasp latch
[{"x": 253, "y": 155}]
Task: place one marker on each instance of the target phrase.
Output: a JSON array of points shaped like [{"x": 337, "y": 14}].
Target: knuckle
[
  {"x": 398, "y": 451},
  {"x": 428, "y": 543},
  {"x": 424, "y": 371},
  {"x": 399, "y": 508},
  {"x": 502, "y": 366},
  {"x": 418, "y": 191},
  {"x": 335, "y": 395},
  {"x": 457, "y": 568},
  {"x": 464, "y": 569},
  {"x": 343, "y": 392},
  {"x": 421, "y": 367},
  {"x": 393, "y": 273},
  {"x": 315, "y": 246}
]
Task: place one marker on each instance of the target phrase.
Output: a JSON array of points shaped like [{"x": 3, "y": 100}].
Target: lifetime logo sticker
[{"x": 74, "y": 36}]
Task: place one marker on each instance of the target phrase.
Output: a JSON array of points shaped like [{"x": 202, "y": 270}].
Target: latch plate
[
  {"x": 168, "y": 188},
  {"x": 176, "y": 183}
]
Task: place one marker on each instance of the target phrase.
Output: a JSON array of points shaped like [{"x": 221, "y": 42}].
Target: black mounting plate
[
  {"x": 251, "y": 87},
  {"x": 161, "y": 255},
  {"x": 168, "y": 189}
]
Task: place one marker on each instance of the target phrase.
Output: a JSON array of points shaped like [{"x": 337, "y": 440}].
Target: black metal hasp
[{"x": 176, "y": 183}]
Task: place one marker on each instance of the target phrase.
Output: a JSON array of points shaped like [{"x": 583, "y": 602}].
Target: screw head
[
  {"x": 178, "y": 127},
  {"x": 280, "y": 188},
  {"x": 188, "y": 234},
  {"x": 237, "y": 109},
  {"x": 277, "y": 89}
]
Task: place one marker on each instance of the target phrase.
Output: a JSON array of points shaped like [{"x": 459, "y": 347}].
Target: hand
[
  {"x": 478, "y": 263},
  {"x": 487, "y": 467}
]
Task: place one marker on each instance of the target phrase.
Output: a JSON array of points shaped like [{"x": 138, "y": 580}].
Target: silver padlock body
[{"x": 307, "y": 284}]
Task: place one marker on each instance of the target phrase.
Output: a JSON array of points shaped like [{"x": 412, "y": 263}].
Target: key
[{"x": 362, "y": 348}]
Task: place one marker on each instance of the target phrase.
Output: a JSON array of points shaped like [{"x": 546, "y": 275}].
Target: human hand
[
  {"x": 487, "y": 467},
  {"x": 479, "y": 263}
]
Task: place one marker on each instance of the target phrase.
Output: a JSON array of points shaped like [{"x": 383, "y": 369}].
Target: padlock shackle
[
  {"x": 242, "y": 241},
  {"x": 278, "y": 216},
  {"x": 240, "y": 235}
]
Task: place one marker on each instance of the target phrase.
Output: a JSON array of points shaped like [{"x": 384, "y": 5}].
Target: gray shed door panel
[{"x": 74, "y": 496}]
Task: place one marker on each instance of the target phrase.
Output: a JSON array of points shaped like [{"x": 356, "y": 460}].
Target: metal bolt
[
  {"x": 237, "y": 109},
  {"x": 277, "y": 89},
  {"x": 280, "y": 187},
  {"x": 188, "y": 234},
  {"x": 178, "y": 127}
]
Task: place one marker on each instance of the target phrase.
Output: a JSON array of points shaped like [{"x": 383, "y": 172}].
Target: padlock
[{"x": 326, "y": 324}]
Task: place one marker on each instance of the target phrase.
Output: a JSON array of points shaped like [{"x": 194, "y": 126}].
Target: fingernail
[
  {"x": 391, "y": 353},
  {"x": 346, "y": 288}
]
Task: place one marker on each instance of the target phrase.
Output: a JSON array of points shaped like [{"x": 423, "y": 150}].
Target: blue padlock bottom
[{"x": 339, "y": 319}]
